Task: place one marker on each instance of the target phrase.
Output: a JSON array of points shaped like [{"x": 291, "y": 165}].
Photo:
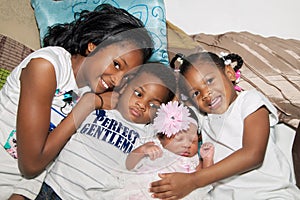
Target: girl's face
[
  {"x": 141, "y": 98},
  {"x": 184, "y": 143},
  {"x": 210, "y": 87},
  {"x": 104, "y": 70}
]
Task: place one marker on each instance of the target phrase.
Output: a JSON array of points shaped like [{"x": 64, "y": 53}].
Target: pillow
[
  {"x": 151, "y": 13},
  {"x": 12, "y": 53},
  {"x": 3, "y": 76}
]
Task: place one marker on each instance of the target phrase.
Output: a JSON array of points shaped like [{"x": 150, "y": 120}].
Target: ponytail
[{"x": 234, "y": 58}]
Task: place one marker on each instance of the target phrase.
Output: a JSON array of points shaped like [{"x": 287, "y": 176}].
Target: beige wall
[{"x": 17, "y": 21}]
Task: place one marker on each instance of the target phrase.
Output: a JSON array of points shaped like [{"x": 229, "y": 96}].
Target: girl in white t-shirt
[
  {"x": 248, "y": 162},
  {"x": 94, "y": 52}
]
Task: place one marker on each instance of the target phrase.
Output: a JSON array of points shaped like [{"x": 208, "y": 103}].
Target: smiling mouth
[
  {"x": 104, "y": 84},
  {"x": 215, "y": 102}
]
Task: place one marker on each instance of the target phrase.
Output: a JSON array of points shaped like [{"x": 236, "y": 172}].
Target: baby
[{"x": 174, "y": 149}]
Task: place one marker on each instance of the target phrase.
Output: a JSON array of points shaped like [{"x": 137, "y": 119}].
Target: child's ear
[
  {"x": 230, "y": 73},
  {"x": 90, "y": 47}
]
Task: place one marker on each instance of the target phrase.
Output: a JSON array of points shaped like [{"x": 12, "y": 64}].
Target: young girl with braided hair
[
  {"x": 248, "y": 162},
  {"x": 92, "y": 54}
]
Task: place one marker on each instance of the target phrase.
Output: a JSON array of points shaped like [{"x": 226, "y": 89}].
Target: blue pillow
[{"x": 150, "y": 12}]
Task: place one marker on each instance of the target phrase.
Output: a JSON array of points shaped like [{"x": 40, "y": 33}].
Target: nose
[
  {"x": 206, "y": 95},
  {"x": 186, "y": 145},
  {"x": 116, "y": 79},
  {"x": 141, "y": 105}
]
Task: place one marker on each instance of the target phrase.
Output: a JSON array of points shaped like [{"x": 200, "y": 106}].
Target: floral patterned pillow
[{"x": 151, "y": 13}]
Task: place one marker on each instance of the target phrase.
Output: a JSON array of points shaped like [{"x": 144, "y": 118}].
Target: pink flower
[{"x": 172, "y": 118}]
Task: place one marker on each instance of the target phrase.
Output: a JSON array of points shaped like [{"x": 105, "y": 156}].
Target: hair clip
[
  {"x": 179, "y": 58},
  {"x": 226, "y": 61}
]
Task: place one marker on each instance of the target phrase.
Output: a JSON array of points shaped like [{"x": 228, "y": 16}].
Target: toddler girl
[{"x": 248, "y": 163}]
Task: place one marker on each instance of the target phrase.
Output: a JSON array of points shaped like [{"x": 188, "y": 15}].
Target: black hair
[
  {"x": 164, "y": 73},
  {"x": 105, "y": 25},
  {"x": 209, "y": 57},
  {"x": 205, "y": 57}
]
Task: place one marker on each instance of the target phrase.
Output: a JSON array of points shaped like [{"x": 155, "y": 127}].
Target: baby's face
[
  {"x": 141, "y": 98},
  {"x": 184, "y": 143}
]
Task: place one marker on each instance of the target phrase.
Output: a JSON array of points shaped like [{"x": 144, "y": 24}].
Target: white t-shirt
[
  {"x": 271, "y": 180},
  {"x": 93, "y": 162},
  {"x": 11, "y": 180}
]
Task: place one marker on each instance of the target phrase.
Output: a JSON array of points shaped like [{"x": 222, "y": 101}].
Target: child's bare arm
[
  {"x": 251, "y": 155},
  {"x": 148, "y": 149}
]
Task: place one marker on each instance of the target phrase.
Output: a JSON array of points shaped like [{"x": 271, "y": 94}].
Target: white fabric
[
  {"x": 93, "y": 161},
  {"x": 12, "y": 182},
  {"x": 284, "y": 139},
  {"x": 270, "y": 181},
  {"x": 146, "y": 171}
]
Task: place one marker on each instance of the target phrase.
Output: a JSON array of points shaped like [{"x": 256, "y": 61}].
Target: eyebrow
[
  {"x": 141, "y": 88},
  {"x": 124, "y": 61},
  {"x": 160, "y": 101},
  {"x": 154, "y": 99},
  {"x": 203, "y": 78}
]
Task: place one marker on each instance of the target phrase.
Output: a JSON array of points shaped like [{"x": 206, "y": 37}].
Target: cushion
[
  {"x": 11, "y": 54},
  {"x": 180, "y": 42},
  {"x": 151, "y": 13}
]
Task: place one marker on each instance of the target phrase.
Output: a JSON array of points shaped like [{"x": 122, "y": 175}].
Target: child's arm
[
  {"x": 250, "y": 156},
  {"x": 36, "y": 147},
  {"x": 148, "y": 149}
]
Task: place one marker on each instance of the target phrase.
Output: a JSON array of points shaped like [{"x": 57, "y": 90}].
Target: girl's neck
[{"x": 76, "y": 61}]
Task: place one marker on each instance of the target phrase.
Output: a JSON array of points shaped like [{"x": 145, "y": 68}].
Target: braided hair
[
  {"x": 212, "y": 58},
  {"x": 234, "y": 58},
  {"x": 105, "y": 25}
]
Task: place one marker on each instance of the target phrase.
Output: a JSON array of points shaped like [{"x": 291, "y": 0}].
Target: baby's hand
[
  {"x": 151, "y": 150},
  {"x": 207, "y": 151}
]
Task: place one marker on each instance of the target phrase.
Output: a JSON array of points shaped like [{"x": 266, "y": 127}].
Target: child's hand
[
  {"x": 110, "y": 100},
  {"x": 207, "y": 150},
  {"x": 151, "y": 150},
  {"x": 92, "y": 101},
  {"x": 89, "y": 101}
]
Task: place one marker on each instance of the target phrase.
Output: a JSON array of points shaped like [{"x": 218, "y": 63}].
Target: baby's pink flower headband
[{"x": 172, "y": 118}]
